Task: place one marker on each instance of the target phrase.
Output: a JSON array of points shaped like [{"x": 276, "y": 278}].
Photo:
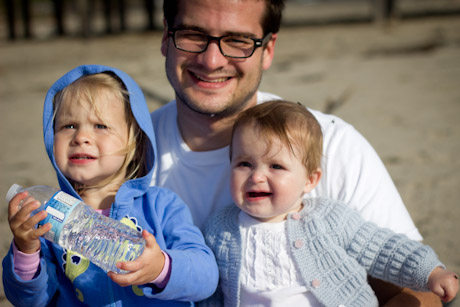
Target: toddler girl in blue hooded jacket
[{"x": 99, "y": 137}]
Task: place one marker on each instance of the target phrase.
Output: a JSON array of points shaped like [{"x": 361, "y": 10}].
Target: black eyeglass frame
[{"x": 258, "y": 42}]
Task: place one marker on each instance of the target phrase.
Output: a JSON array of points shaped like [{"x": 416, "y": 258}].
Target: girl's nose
[
  {"x": 258, "y": 176},
  {"x": 81, "y": 137}
]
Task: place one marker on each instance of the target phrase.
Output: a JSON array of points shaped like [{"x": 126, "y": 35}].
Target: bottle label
[{"x": 59, "y": 208}]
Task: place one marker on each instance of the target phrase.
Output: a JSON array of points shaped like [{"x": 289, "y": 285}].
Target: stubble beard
[{"x": 235, "y": 104}]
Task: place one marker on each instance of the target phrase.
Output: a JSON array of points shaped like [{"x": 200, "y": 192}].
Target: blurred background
[
  {"x": 390, "y": 68},
  {"x": 86, "y": 18}
]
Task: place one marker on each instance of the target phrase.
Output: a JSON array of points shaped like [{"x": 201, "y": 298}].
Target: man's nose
[{"x": 212, "y": 58}]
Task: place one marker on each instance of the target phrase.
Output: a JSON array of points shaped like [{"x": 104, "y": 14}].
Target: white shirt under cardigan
[
  {"x": 352, "y": 172},
  {"x": 268, "y": 274}
]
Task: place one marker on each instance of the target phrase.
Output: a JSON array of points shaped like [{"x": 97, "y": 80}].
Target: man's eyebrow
[{"x": 199, "y": 29}]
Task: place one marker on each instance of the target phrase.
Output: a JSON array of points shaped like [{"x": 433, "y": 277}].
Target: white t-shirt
[{"x": 352, "y": 172}]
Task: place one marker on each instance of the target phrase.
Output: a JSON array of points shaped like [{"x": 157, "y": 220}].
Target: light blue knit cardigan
[{"x": 337, "y": 249}]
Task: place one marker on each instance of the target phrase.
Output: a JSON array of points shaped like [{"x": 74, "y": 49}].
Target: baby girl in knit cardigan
[{"x": 278, "y": 248}]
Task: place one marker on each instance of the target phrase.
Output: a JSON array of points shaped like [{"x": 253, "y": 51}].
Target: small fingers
[
  {"x": 149, "y": 238},
  {"x": 27, "y": 208},
  {"x": 39, "y": 232},
  {"x": 449, "y": 288},
  {"x": 35, "y": 219},
  {"x": 438, "y": 290},
  {"x": 130, "y": 266},
  {"x": 22, "y": 221},
  {"x": 13, "y": 205},
  {"x": 123, "y": 279}
]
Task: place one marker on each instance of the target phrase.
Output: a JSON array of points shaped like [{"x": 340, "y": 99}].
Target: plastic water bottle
[{"x": 77, "y": 227}]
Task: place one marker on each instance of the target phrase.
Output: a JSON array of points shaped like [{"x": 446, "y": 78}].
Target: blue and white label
[{"x": 59, "y": 208}]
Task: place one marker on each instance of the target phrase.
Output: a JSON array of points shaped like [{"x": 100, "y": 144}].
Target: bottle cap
[{"x": 14, "y": 189}]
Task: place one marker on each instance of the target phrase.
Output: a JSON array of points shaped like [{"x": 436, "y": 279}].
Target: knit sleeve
[
  {"x": 390, "y": 256},
  {"x": 211, "y": 232},
  {"x": 222, "y": 236}
]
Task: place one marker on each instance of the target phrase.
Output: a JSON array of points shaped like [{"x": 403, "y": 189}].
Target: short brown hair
[
  {"x": 292, "y": 124},
  {"x": 270, "y": 22}
]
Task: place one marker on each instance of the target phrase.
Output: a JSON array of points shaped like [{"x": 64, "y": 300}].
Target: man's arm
[{"x": 390, "y": 295}]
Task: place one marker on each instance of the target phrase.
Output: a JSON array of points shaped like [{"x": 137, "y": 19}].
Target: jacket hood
[{"x": 132, "y": 188}]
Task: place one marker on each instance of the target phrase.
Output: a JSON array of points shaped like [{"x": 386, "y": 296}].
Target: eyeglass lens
[{"x": 232, "y": 45}]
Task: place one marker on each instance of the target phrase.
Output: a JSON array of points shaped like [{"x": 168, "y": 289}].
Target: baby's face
[
  {"x": 267, "y": 183},
  {"x": 91, "y": 146}
]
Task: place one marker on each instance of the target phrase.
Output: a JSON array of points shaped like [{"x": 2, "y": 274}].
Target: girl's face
[
  {"x": 90, "y": 146},
  {"x": 267, "y": 183}
]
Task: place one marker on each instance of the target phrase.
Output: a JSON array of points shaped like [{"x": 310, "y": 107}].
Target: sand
[{"x": 398, "y": 85}]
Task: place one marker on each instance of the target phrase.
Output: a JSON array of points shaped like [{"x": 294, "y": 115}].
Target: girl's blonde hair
[
  {"x": 88, "y": 89},
  {"x": 289, "y": 122}
]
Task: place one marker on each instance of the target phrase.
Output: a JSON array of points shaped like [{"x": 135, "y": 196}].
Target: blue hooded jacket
[{"x": 67, "y": 279}]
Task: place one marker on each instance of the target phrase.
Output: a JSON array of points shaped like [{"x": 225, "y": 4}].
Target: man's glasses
[{"x": 232, "y": 46}]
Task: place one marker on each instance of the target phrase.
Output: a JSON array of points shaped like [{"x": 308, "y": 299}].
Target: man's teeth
[{"x": 212, "y": 80}]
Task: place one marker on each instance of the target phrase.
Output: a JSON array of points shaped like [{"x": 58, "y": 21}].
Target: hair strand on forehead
[
  {"x": 85, "y": 92},
  {"x": 289, "y": 122}
]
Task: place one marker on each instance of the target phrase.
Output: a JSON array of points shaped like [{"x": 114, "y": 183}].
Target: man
[{"x": 216, "y": 52}]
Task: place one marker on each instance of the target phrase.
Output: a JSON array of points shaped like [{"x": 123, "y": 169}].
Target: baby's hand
[
  {"x": 26, "y": 237},
  {"x": 444, "y": 284},
  {"x": 145, "y": 268}
]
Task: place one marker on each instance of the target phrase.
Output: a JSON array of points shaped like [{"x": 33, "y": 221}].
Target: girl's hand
[
  {"x": 444, "y": 284},
  {"x": 145, "y": 268},
  {"x": 26, "y": 237}
]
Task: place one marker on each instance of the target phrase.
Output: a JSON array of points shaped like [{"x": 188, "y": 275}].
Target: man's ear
[
  {"x": 269, "y": 52},
  {"x": 165, "y": 38},
  {"x": 313, "y": 180}
]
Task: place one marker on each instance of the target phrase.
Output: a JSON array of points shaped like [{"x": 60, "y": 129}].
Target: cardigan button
[
  {"x": 298, "y": 243},
  {"x": 315, "y": 283},
  {"x": 296, "y": 216}
]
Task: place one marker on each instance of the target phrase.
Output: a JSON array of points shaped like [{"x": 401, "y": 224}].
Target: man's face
[{"x": 208, "y": 82}]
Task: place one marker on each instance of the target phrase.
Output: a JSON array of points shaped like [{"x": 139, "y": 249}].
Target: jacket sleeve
[
  {"x": 216, "y": 300},
  {"x": 194, "y": 272},
  {"x": 387, "y": 255},
  {"x": 35, "y": 292}
]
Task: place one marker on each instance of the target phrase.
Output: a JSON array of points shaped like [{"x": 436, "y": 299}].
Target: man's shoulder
[
  {"x": 330, "y": 121},
  {"x": 166, "y": 110},
  {"x": 327, "y": 121}
]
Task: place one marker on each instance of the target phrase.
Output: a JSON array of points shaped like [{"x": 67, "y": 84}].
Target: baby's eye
[
  {"x": 101, "y": 126},
  {"x": 277, "y": 166},
  {"x": 244, "y": 164},
  {"x": 69, "y": 126}
]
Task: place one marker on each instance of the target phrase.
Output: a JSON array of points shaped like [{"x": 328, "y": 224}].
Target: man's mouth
[{"x": 213, "y": 80}]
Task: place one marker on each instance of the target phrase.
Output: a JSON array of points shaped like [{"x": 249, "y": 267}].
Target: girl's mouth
[
  {"x": 82, "y": 157},
  {"x": 258, "y": 194}
]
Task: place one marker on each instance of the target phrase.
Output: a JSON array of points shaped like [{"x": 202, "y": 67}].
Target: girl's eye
[
  {"x": 244, "y": 164},
  {"x": 101, "y": 126},
  {"x": 69, "y": 126},
  {"x": 277, "y": 166}
]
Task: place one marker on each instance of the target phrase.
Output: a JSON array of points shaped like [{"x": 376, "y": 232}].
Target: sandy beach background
[{"x": 399, "y": 85}]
